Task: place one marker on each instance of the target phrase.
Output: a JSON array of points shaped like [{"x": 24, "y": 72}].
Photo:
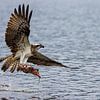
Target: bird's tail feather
[
  {"x": 13, "y": 66},
  {"x": 3, "y": 58},
  {"x": 9, "y": 63}
]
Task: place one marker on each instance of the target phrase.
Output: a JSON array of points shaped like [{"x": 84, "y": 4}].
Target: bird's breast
[{"x": 27, "y": 51}]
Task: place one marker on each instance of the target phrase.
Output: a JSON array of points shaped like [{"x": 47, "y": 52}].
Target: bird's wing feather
[
  {"x": 41, "y": 59},
  {"x": 18, "y": 28}
]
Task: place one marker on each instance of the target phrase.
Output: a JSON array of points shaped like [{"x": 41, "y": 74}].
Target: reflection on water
[{"x": 69, "y": 29}]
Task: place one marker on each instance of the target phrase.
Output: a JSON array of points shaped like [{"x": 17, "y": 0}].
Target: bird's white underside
[{"x": 24, "y": 54}]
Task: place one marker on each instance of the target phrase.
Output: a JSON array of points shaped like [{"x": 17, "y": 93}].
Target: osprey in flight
[{"x": 17, "y": 39}]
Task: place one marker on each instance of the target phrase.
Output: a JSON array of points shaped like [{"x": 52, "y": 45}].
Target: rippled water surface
[{"x": 70, "y": 31}]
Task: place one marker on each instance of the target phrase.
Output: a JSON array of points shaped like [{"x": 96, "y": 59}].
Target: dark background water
[{"x": 70, "y": 31}]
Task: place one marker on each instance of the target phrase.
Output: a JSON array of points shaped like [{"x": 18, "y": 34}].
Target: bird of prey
[{"x": 17, "y": 39}]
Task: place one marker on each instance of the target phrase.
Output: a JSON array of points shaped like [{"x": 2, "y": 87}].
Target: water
[{"x": 70, "y": 31}]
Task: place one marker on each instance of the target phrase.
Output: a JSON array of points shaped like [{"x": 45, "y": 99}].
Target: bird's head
[{"x": 35, "y": 47}]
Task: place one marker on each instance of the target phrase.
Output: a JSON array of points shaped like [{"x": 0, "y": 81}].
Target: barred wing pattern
[
  {"x": 18, "y": 28},
  {"x": 40, "y": 59}
]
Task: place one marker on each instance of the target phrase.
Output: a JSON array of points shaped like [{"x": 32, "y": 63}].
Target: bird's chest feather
[
  {"x": 27, "y": 51},
  {"x": 24, "y": 54}
]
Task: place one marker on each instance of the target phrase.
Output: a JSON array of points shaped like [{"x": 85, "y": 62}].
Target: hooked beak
[
  {"x": 42, "y": 46},
  {"x": 39, "y": 46}
]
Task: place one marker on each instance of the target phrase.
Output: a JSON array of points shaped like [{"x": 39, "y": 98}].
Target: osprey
[{"x": 17, "y": 39}]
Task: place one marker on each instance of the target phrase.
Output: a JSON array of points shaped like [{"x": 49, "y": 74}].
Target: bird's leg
[
  {"x": 25, "y": 60},
  {"x": 22, "y": 57}
]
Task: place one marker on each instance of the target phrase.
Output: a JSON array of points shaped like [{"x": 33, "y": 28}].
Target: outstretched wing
[
  {"x": 18, "y": 28},
  {"x": 38, "y": 59},
  {"x": 41, "y": 59}
]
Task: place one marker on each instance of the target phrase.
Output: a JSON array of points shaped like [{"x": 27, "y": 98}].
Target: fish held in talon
[{"x": 26, "y": 68}]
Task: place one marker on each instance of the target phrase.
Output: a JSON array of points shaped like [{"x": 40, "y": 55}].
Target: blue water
[{"x": 70, "y": 32}]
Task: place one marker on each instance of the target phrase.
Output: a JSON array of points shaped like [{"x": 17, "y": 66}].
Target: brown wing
[
  {"x": 41, "y": 59},
  {"x": 18, "y": 28}
]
